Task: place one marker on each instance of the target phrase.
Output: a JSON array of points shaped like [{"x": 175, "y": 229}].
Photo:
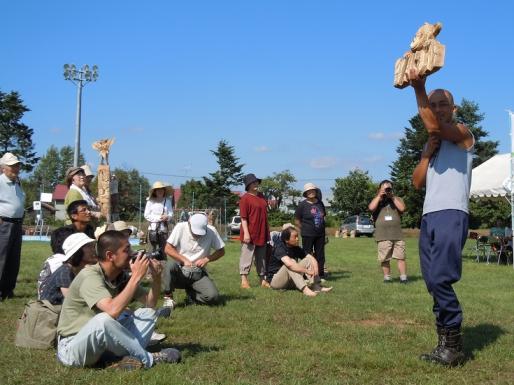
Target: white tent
[{"x": 491, "y": 178}]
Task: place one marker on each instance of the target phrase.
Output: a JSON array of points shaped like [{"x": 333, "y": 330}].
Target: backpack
[{"x": 37, "y": 326}]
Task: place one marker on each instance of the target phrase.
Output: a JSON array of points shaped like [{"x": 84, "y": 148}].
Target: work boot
[{"x": 449, "y": 349}]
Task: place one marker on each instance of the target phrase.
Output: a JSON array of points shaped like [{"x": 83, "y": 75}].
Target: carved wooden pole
[{"x": 104, "y": 177}]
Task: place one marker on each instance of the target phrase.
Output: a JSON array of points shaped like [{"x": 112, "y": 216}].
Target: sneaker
[
  {"x": 168, "y": 302},
  {"x": 404, "y": 281},
  {"x": 163, "y": 312},
  {"x": 168, "y": 355},
  {"x": 156, "y": 338},
  {"x": 388, "y": 280},
  {"x": 126, "y": 363}
]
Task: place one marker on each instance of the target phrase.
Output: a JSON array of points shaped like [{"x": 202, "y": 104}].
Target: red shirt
[{"x": 254, "y": 209}]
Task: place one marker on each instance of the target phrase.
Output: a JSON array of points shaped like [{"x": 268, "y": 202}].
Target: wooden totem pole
[{"x": 104, "y": 177}]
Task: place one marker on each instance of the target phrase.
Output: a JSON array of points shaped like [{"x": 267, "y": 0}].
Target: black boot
[{"x": 449, "y": 350}]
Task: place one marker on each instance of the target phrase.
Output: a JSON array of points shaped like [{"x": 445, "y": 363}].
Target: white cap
[
  {"x": 198, "y": 224},
  {"x": 9, "y": 159},
  {"x": 74, "y": 242}
]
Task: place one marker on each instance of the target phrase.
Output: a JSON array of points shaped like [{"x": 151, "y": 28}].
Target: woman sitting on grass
[
  {"x": 79, "y": 251},
  {"x": 289, "y": 266}
]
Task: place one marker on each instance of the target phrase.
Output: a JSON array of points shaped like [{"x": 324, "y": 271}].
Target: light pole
[{"x": 79, "y": 77}]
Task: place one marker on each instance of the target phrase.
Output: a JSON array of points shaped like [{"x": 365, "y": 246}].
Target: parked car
[
  {"x": 361, "y": 224},
  {"x": 235, "y": 224}
]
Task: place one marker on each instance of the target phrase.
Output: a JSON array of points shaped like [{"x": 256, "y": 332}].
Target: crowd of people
[{"x": 94, "y": 285}]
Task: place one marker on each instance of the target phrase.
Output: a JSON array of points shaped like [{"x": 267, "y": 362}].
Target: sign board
[
  {"x": 36, "y": 205},
  {"x": 46, "y": 197}
]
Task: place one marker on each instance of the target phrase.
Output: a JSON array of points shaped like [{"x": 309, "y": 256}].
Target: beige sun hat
[
  {"x": 159, "y": 184},
  {"x": 288, "y": 226},
  {"x": 309, "y": 186},
  {"x": 74, "y": 242}
]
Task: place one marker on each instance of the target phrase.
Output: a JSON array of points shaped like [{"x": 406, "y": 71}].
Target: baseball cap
[
  {"x": 9, "y": 159},
  {"x": 198, "y": 224}
]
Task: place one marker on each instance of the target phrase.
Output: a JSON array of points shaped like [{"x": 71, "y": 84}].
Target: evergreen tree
[
  {"x": 15, "y": 136},
  {"x": 228, "y": 175},
  {"x": 409, "y": 154},
  {"x": 130, "y": 184},
  {"x": 193, "y": 195},
  {"x": 352, "y": 194}
]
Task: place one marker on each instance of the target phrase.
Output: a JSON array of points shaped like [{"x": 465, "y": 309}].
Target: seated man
[
  {"x": 94, "y": 319},
  {"x": 80, "y": 214},
  {"x": 189, "y": 245},
  {"x": 79, "y": 251},
  {"x": 289, "y": 264}
]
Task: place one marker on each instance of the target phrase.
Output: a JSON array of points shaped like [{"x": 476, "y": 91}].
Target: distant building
[{"x": 58, "y": 196}]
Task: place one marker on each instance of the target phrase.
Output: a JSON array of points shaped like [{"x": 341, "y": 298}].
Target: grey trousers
[
  {"x": 202, "y": 290},
  {"x": 288, "y": 279},
  {"x": 10, "y": 250},
  {"x": 249, "y": 253}
]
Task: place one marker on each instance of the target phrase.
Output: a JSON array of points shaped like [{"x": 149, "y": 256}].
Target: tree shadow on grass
[
  {"x": 192, "y": 349},
  {"x": 478, "y": 337}
]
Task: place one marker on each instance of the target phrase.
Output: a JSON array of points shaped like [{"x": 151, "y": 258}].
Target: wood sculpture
[
  {"x": 104, "y": 177},
  {"x": 426, "y": 55}
]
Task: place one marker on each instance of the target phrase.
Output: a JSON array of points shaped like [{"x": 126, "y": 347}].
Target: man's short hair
[
  {"x": 74, "y": 206},
  {"x": 384, "y": 182},
  {"x": 111, "y": 241},
  {"x": 286, "y": 234}
]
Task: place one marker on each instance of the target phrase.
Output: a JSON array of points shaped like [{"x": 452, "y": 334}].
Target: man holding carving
[{"x": 445, "y": 170}]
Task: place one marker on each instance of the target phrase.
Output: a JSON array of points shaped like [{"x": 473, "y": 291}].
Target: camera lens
[{"x": 388, "y": 189}]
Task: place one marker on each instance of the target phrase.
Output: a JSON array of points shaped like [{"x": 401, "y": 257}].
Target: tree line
[{"x": 350, "y": 194}]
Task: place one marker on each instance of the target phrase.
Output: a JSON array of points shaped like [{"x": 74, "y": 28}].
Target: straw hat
[
  {"x": 307, "y": 187},
  {"x": 159, "y": 184}
]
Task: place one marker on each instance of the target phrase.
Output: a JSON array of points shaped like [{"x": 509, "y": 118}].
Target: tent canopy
[{"x": 491, "y": 178}]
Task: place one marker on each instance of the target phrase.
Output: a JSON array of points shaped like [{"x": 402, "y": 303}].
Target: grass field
[{"x": 364, "y": 332}]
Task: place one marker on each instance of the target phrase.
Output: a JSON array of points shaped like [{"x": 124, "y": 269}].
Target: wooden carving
[
  {"x": 103, "y": 146},
  {"x": 104, "y": 177},
  {"x": 426, "y": 55}
]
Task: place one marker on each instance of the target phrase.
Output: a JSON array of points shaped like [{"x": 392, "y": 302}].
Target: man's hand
[
  {"x": 164, "y": 218},
  {"x": 155, "y": 268},
  {"x": 310, "y": 271},
  {"x": 139, "y": 267},
  {"x": 202, "y": 262},
  {"x": 431, "y": 147},
  {"x": 246, "y": 238},
  {"x": 415, "y": 80}
]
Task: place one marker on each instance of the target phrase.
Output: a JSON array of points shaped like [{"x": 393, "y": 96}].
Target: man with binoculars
[{"x": 386, "y": 209}]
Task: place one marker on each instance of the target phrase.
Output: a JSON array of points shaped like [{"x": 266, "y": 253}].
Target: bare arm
[
  {"x": 292, "y": 265},
  {"x": 246, "y": 236},
  {"x": 419, "y": 175},
  {"x": 399, "y": 204},
  {"x": 173, "y": 253},
  {"x": 210, "y": 258},
  {"x": 450, "y": 131},
  {"x": 115, "y": 306}
]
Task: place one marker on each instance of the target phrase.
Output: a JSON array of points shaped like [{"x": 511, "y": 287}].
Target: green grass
[{"x": 364, "y": 332}]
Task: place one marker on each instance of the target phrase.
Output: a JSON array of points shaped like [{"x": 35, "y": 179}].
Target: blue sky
[{"x": 298, "y": 85}]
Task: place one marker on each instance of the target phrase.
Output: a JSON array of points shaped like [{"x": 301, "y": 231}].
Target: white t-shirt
[{"x": 191, "y": 248}]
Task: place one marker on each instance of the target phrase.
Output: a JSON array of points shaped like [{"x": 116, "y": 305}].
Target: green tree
[
  {"x": 51, "y": 169},
  {"x": 130, "y": 184},
  {"x": 229, "y": 174},
  {"x": 485, "y": 212},
  {"x": 278, "y": 187},
  {"x": 15, "y": 136},
  {"x": 409, "y": 153},
  {"x": 193, "y": 190},
  {"x": 352, "y": 194}
]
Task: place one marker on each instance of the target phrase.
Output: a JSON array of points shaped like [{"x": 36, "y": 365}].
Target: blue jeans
[
  {"x": 441, "y": 239},
  {"x": 127, "y": 336}
]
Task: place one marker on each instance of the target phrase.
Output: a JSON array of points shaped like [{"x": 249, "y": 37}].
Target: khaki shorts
[{"x": 390, "y": 249}]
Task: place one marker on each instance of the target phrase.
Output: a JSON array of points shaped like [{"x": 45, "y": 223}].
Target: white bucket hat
[
  {"x": 87, "y": 170},
  {"x": 309, "y": 186},
  {"x": 74, "y": 242}
]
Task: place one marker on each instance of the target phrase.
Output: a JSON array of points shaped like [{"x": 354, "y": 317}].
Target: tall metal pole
[
  {"x": 511, "y": 174},
  {"x": 140, "y": 199},
  {"x": 77, "y": 123}
]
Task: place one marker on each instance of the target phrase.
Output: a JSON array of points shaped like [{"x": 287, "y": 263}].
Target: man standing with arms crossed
[
  {"x": 445, "y": 170},
  {"x": 12, "y": 200}
]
